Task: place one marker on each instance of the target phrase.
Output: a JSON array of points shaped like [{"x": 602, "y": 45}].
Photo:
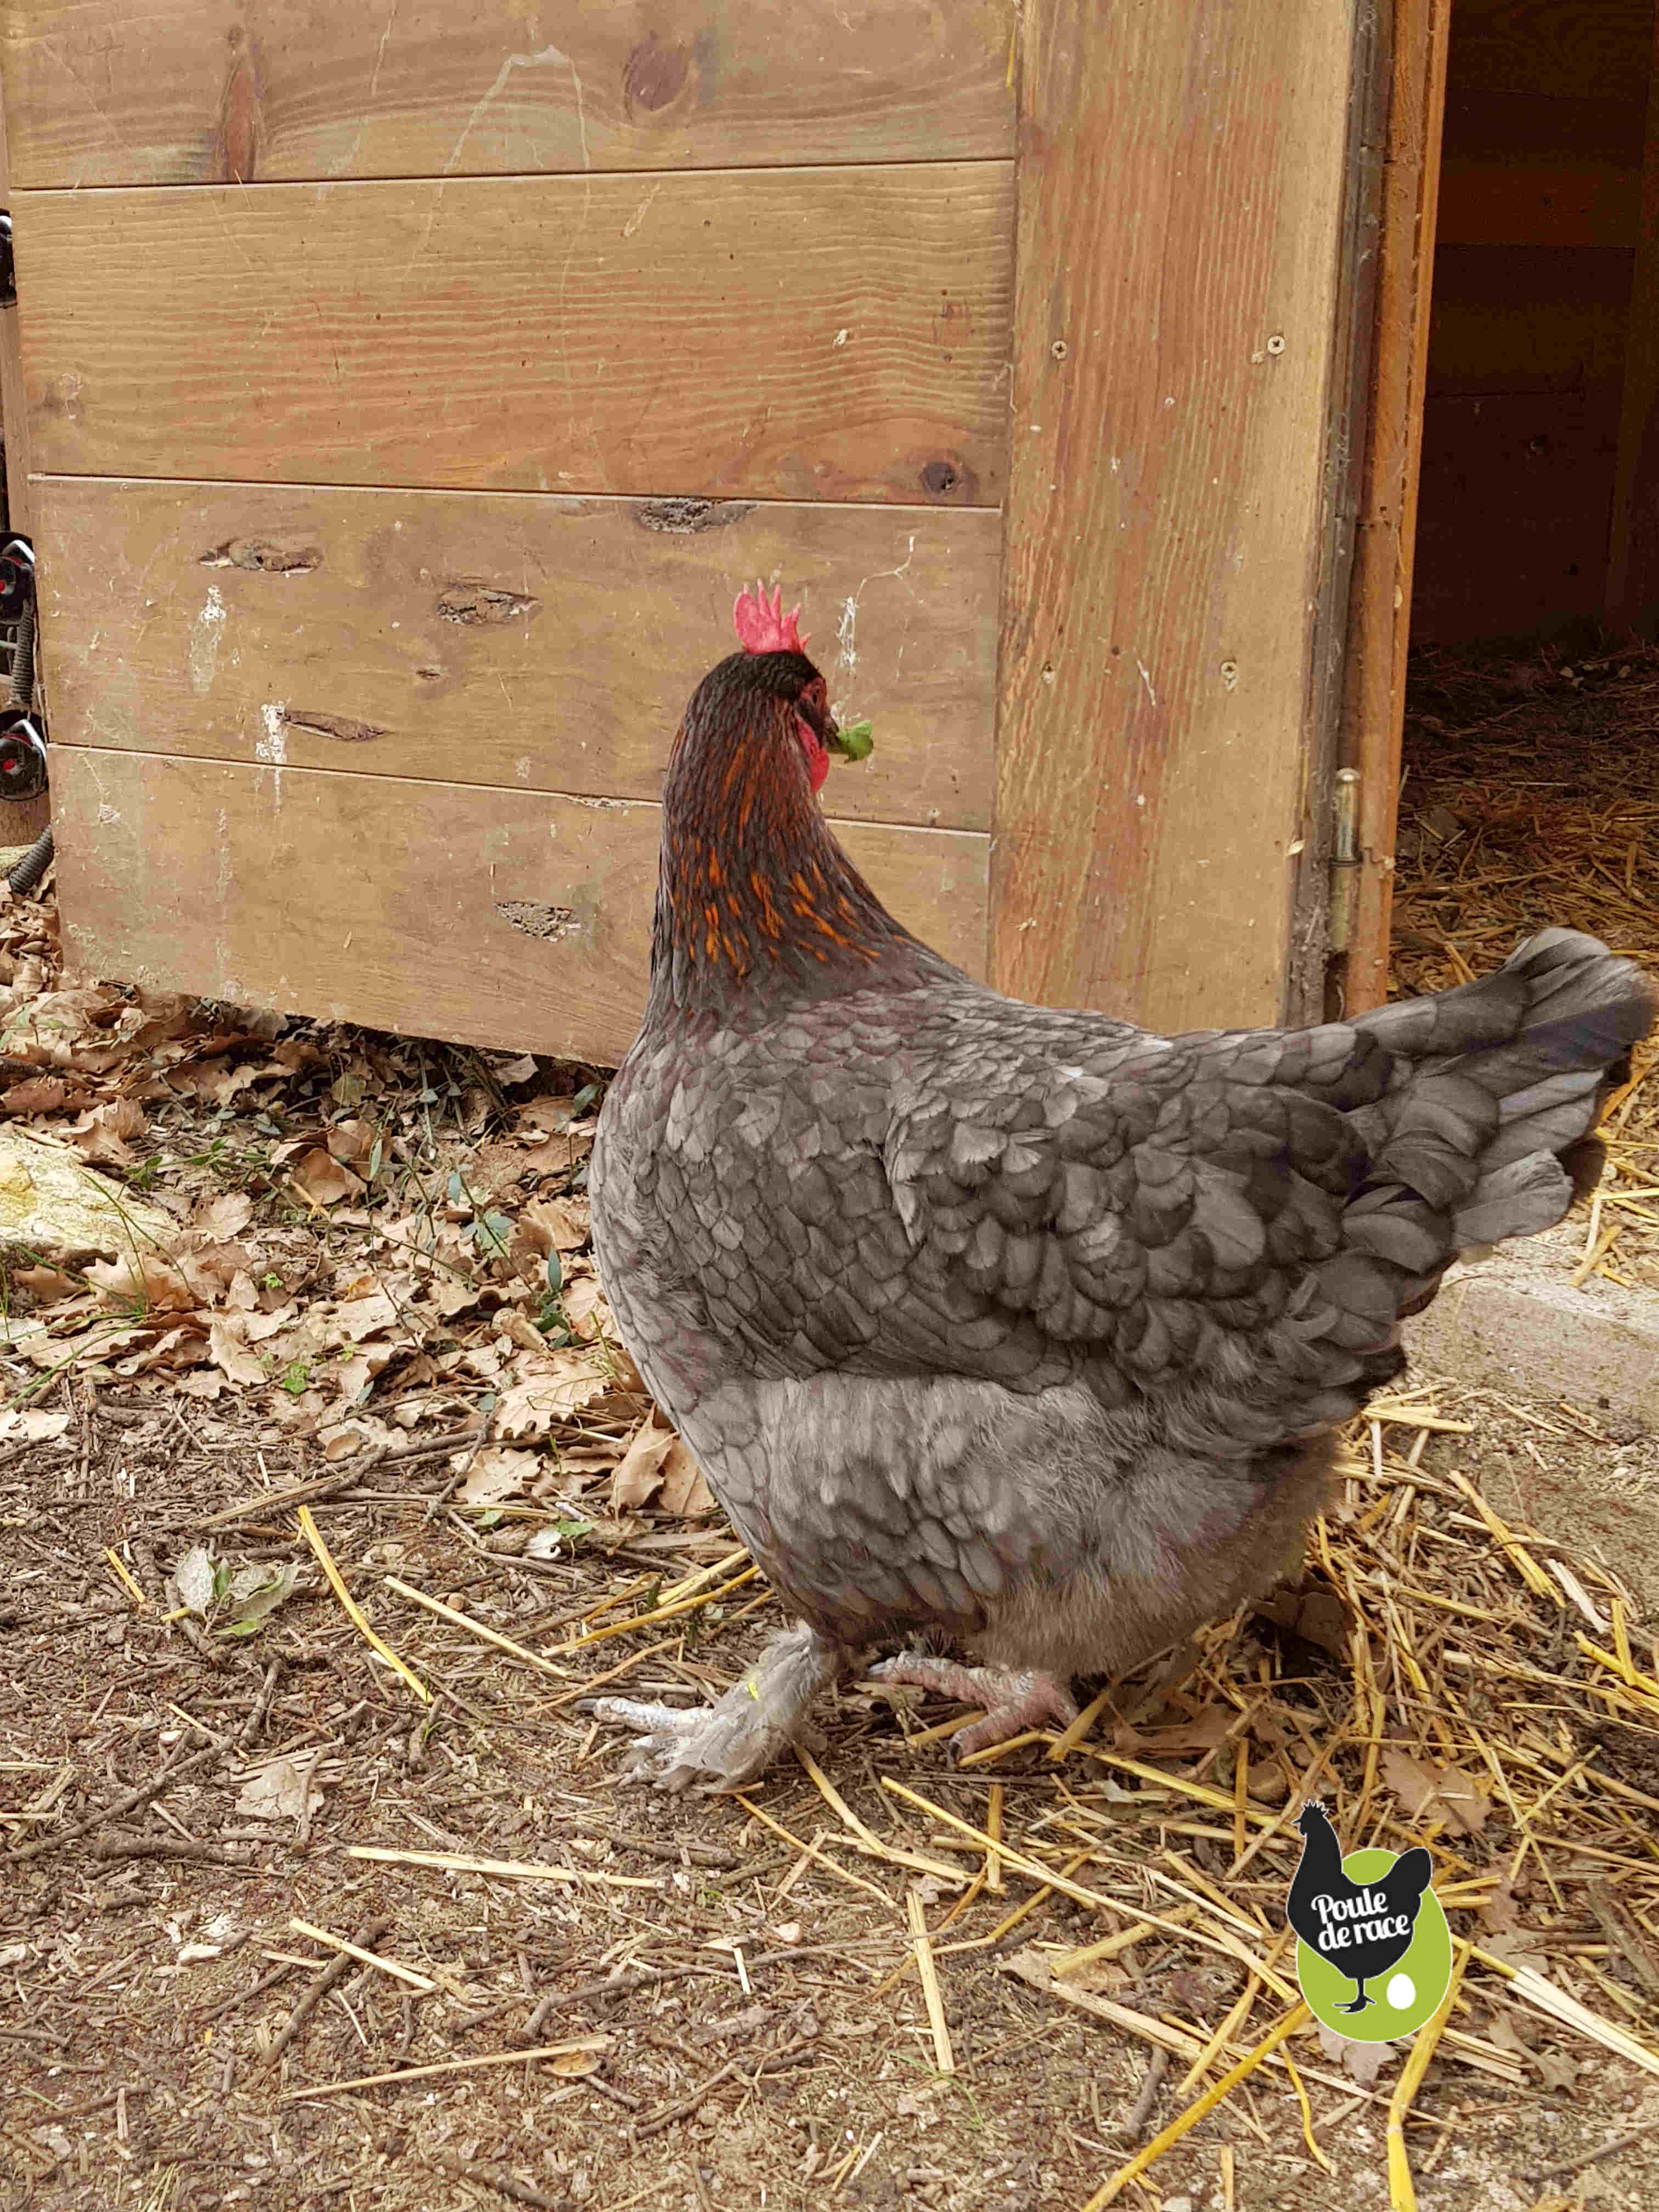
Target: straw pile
[{"x": 1529, "y": 799}]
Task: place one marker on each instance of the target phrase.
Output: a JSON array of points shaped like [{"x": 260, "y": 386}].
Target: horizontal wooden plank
[
  {"x": 362, "y": 898},
  {"x": 1525, "y": 169},
  {"x": 502, "y": 638},
  {"x": 105, "y": 92},
  {"x": 834, "y": 334},
  {"x": 1587, "y": 48},
  {"x": 1513, "y": 513},
  {"x": 1527, "y": 317}
]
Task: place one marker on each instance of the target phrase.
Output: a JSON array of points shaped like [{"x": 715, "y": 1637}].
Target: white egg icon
[{"x": 1402, "y": 1992}]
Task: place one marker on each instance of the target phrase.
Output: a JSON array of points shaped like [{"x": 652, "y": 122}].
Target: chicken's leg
[
  {"x": 724, "y": 1745},
  {"x": 1011, "y": 1701}
]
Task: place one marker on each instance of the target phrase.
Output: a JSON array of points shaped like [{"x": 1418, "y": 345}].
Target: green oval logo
[{"x": 1354, "y": 1917}]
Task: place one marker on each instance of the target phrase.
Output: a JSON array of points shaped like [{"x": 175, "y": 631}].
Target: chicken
[
  {"x": 1363, "y": 1928},
  {"x": 1002, "y": 1325}
]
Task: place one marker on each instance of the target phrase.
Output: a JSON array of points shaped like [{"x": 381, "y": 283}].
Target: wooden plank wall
[
  {"x": 1535, "y": 260},
  {"x": 410, "y": 394}
]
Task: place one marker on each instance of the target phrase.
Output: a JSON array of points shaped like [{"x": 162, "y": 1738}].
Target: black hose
[
  {"x": 22, "y": 659},
  {"x": 33, "y": 863}
]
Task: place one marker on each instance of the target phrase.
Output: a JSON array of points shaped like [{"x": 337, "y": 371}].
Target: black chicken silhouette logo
[{"x": 1359, "y": 1919}]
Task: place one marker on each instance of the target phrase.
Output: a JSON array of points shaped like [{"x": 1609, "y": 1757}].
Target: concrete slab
[{"x": 1513, "y": 1319}]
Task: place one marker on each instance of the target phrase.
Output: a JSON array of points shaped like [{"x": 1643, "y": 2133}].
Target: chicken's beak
[{"x": 852, "y": 740}]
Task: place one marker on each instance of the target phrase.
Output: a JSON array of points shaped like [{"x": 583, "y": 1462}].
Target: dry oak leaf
[
  {"x": 1428, "y": 1791},
  {"x": 639, "y": 1474},
  {"x": 324, "y": 1180},
  {"x": 550, "y": 1387}
]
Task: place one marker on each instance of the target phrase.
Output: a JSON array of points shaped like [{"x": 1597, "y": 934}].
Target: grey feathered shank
[{"x": 1009, "y": 1325}]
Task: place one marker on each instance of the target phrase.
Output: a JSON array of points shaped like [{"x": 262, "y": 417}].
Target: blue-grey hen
[{"x": 1007, "y": 1328}]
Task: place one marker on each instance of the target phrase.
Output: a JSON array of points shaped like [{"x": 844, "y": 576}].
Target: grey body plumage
[{"x": 1017, "y": 1327}]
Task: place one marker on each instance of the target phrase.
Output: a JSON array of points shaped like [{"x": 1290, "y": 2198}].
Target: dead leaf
[
  {"x": 1363, "y": 2061},
  {"x": 45, "y": 1285},
  {"x": 550, "y": 1387},
  {"x": 556, "y": 1224},
  {"x": 684, "y": 1491},
  {"x": 226, "y": 1216},
  {"x": 323, "y": 1179},
  {"x": 497, "y": 1472},
  {"x": 32, "y": 1427},
  {"x": 586, "y": 1311},
  {"x": 352, "y": 1140},
  {"x": 278, "y": 1791},
  {"x": 107, "y": 1134},
  {"x": 359, "y": 1317},
  {"x": 193, "y": 1578},
  {"x": 572, "y": 2064},
  {"x": 232, "y": 1358},
  {"x": 1558, "y": 2071},
  {"x": 1426, "y": 1790},
  {"x": 144, "y": 1280},
  {"x": 36, "y": 1094},
  {"x": 1317, "y": 1616},
  {"x": 639, "y": 1475}
]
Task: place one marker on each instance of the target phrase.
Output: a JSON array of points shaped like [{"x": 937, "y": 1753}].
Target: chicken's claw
[
  {"x": 1011, "y": 1701},
  {"x": 723, "y": 1746}
]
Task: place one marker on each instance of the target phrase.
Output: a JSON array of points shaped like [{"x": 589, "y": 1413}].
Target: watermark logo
[{"x": 1373, "y": 1953}]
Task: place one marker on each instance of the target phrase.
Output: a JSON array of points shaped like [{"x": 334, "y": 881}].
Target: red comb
[{"x": 763, "y": 626}]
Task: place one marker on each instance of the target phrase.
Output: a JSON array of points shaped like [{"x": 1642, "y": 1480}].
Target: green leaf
[
  {"x": 856, "y": 740},
  {"x": 584, "y": 1098},
  {"x": 555, "y": 1273},
  {"x": 297, "y": 1380},
  {"x": 493, "y": 1233}
]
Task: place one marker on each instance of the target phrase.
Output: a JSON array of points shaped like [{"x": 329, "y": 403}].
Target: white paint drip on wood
[
  {"x": 273, "y": 746},
  {"x": 204, "y": 634}
]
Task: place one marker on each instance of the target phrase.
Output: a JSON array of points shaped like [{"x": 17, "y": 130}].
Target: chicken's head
[{"x": 774, "y": 661}]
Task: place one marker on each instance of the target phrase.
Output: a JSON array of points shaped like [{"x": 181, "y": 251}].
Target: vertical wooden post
[
  {"x": 1632, "y": 594},
  {"x": 1177, "y": 303},
  {"x": 14, "y": 418},
  {"x": 1379, "y": 630}
]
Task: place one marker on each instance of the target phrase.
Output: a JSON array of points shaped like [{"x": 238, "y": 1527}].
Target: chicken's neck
[{"x": 758, "y": 906}]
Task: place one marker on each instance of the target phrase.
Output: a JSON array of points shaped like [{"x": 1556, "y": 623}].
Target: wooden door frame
[
  {"x": 1379, "y": 620},
  {"x": 1199, "y": 197}
]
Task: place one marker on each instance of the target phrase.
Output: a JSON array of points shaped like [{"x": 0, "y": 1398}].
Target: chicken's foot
[
  {"x": 724, "y": 1745},
  {"x": 1011, "y": 1701}
]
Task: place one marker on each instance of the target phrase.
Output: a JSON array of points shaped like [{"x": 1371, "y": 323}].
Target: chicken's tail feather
[{"x": 1493, "y": 1098}]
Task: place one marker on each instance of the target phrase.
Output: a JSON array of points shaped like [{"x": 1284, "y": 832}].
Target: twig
[
  {"x": 308, "y": 1529},
  {"x": 415, "y": 1981},
  {"x": 510, "y": 1869},
  {"x": 1213, "y": 2096},
  {"x": 494, "y": 2177},
  {"x": 477, "y": 1628},
  {"x": 311, "y": 1997},
  {"x": 1588, "y": 2157},
  {"x": 245, "y": 1996},
  {"x": 174, "y": 1771},
  {"x": 446, "y": 2066},
  {"x": 117, "y": 1845},
  {"x": 1141, "y": 2111},
  {"x": 1402, "y": 2196},
  {"x": 932, "y": 1996}
]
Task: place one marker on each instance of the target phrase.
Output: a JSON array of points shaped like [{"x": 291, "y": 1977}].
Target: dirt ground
[
  {"x": 152, "y": 1965},
  {"x": 375, "y": 1303}
]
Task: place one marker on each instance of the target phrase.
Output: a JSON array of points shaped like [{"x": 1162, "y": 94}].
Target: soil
[{"x": 757, "y": 2046}]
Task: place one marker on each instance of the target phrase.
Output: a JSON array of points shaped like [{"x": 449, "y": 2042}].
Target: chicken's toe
[
  {"x": 726, "y": 1745},
  {"x": 1012, "y": 1701}
]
